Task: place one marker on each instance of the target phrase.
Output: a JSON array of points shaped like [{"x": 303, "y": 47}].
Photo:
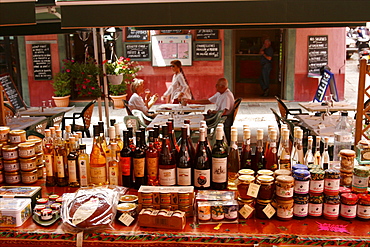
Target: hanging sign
[{"x": 327, "y": 79}]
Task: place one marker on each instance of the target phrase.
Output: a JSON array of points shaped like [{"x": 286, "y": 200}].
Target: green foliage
[
  {"x": 61, "y": 84},
  {"x": 116, "y": 90}
]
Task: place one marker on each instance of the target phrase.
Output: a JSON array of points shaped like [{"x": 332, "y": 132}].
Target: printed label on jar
[
  {"x": 317, "y": 186},
  {"x": 301, "y": 187},
  {"x": 29, "y": 179},
  {"x": 284, "y": 213},
  {"x": 11, "y": 167},
  {"x": 231, "y": 212},
  {"x": 360, "y": 182},
  {"x": 283, "y": 192},
  {"x": 363, "y": 211},
  {"x": 202, "y": 178},
  {"x": 25, "y": 153},
  {"x": 219, "y": 166},
  {"x": 28, "y": 166},
  {"x": 3, "y": 137},
  {"x": 348, "y": 211},
  {"x": 217, "y": 213},
  {"x": 10, "y": 155},
  {"x": 331, "y": 185},
  {"x": 204, "y": 212},
  {"x": 15, "y": 139},
  {"x": 331, "y": 210},
  {"x": 13, "y": 179},
  {"x": 167, "y": 176},
  {"x": 315, "y": 209},
  {"x": 300, "y": 210}
]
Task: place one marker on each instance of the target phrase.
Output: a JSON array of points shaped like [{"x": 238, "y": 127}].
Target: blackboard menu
[
  {"x": 136, "y": 35},
  {"x": 11, "y": 92},
  {"x": 41, "y": 55},
  {"x": 207, "y": 50},
  {"x": 317, "y": 54},
  {"x": 137, "y": 51},
  {"x": 207, "y": 34}
]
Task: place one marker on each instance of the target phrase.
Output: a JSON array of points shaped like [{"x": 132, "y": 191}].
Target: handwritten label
[
  {"x": 253, "y": 190},
  {"x": 126, "y": 219},
  {"x": 246, "y": 210},
  {"x": 332, "y": 227},
  {"x": 269, "y": 211}
]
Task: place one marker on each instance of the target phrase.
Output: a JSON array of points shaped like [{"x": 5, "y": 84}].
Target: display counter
[{"x": 309, "y": 231}]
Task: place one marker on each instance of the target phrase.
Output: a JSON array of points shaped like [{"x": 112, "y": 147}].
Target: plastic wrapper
[{"x": 91, "y": 208}]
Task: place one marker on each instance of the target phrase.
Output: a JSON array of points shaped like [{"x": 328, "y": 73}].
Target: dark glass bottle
[
  {"x": 219, "y": 162},
  {"x": 138, "y": 161},
  {"x": 125, "y": 161},
  {"x": 131, "y": 138},
  {"x": 202, "y": 163},
  {"x": 72, "y": 161},
  {"x": 152, "y": 160},
  {"x": 246, "y": 156},
  {"x": 184, "y": 161},
  {"x": 167, "y": 161},
  {"x": 172, "y": 138},
  {"x": 157, "y": 143},
  {"x": 259, "y": 159}
]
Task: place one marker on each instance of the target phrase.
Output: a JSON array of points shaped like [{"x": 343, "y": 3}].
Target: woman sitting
[{"x": 136, "y": 102}]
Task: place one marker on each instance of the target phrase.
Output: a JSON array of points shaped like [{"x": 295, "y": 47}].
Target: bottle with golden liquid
[
  {"x": 84, "y": 166},
  {"x": 317, "y": 155},
  {"x": 60, "y": 160},
  {"x": 285, "y": 152},
  {"x": 308, "y": 158},
  {"x": 72, "y": 159},
  {"x": 233, "y": 161},
  {"x": 48, "y": 149},
  {"x": 118, "y": 138},
  {"x": 98, "y": 172},
  {"x": 113, "y": 167}
]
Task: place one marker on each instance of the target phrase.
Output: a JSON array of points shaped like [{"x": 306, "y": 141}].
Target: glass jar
[
  {"x": 260, "y": 205},
  {"x": 331, "y": 182},
  {"x": 300, "y": 209},
  {"x": 284, "y": 209},
  {"x": 347, "y": 160},
  {"x": 12, "y": 177},
  {"x": 29, "y": 177},
  {"x": 360, "y": 179},
  {"x": 267, "y": 187},
  {"x": 346, "y": 179},
  {"x": 217, "y": 212},
  {"x": 1, "y": 177},
  {"x": 17, "y": 136},
  {"x": 363, "y": 207},
  {"x": 299, "y": 167},
  {"x": 28, "y": 164},
  {"x": 40, "y": 171},
  {"x": 4, "y": 131},
  {"x": 265, "y": 172},
  {"x": 26, "y": 150},
  {"x": 39, "y": 158},
  {"x": 317, "y": 181},
  {"x": 243, "y": 185},
  {"x": 127, "y": 208},
  {"x": 10, "y": 152},
  {"x": 301, "y": 181},
  {"x": 204, "y": 212},
  {"x": 246, "y": 172},
  {"x": 284, "y": 186},
  {"x": 242, "y": 203},
  {"x": 282, "y": 172},
  {"x": 331, "y": 207},
  {"x": 231, "y": 211},
  {"x": 348, "y": 205},
  {"x": 315, "y": 204}
]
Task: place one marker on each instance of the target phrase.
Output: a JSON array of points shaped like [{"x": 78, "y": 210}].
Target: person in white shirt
[
  {"x": 136, "y": 102},
  {"x": 179, "y": 87}
]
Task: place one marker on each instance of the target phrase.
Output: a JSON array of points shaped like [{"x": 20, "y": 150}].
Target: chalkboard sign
[
  {"x": 41, "y": 55},
  {"x": 207, "y": 50},
  {"x": 137, "y": 51},
  {"x": 172, "y": 31},
  {"x": 136, "y": 35},
  {"x": 207, "y": 34},
  {"x": 317, "y": 54},
  {"x": 11, "y": 92}
]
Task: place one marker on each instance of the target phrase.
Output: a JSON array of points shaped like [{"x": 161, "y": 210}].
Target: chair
[
  {"x": 31, "y": 134},
  {"x": 128, "y": 110},
  {"x": 133, "y": 121},
  {"x": 39, "y": 127},
  {"x": 56, "y": 119},
  {"x": 9, "y": 110},
  {"x": 285, "y": 111},
  {"x": 231, "y": 118},
  {"x": 85, "y": 115},
  {"x": 143, "y": 118}
]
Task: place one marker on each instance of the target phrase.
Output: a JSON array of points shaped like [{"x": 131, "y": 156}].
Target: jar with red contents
[
  {"x": 331, "y": 207},
  {"x": 331, "y": 182},
  {"x": 267, "y": 187},
  {"x": 317, "y": 181},
  {"x": 300, "y": 209},
  {"x": 249, "y": 203},
  {"x": 260, "y": 206},
  {"x": 243, "y": 185},
  {"x": 315, "y": 205},
  {"x": 348, "y": 205},
  {"x": 363, "y": 207}
]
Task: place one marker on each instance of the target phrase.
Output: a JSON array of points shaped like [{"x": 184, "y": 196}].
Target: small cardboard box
[
  {"x": 162, "y": 218},
  {"x": 14, "y": 211},
  {"x": 32, "y": 192}
]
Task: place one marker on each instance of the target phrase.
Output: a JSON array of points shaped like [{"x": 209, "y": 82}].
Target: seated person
[
  {"x": 136, "y": 102},
  {"x": 224, "y": 99}
]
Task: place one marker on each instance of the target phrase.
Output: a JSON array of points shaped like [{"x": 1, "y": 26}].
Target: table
[
  {"x": 48, "y": 112},
  {"x": 178, "y": 121},
  {"x": 180, "y": 108},
  {"x": 338, "y": 106},
  {"x": 24, "y": 122}
]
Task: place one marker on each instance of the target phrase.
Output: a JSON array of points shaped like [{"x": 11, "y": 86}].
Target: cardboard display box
[{"x": 162, "y": 218}]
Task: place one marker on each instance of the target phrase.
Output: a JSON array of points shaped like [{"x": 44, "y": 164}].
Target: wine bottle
[
  {"x": 184, "y": 161},
  {"x": 325, "y": 155},
  {"x": 317, "y": 155},
  {"x": 102, "y": 140},
  {"x": 60, "y": 159},
  {"x": 138, "y": 161},
  {"x": 203, "y": 163},
  {"x": 272, "y": 160},
  {"x": 157, "y": 143},
  {"x": 125, "y": 161},
  {"x": 172, "y": 138},
  {"x": 167, "y": 161},
  {"x": 259, "y": 159},
  {"x": 113, "y": 166},
  {"x": 233, "y": 161},
  {"x": 246, "y": 156},
  {"x": 48, "y": 149},
  {"x": 189, "y": 142},
  {"x": 72, "y": 159},
  {"x": 152, "y": 160},
  {"x": 284, "y": 160},
  {"x": 297, "y": 155},
  {"x": 219, "y": 162},
  {"x": 84, "y": 166},
  {"x": 308, "y": 158},
  {"x": 98, "y": 171},
  {"x": 280, "y": 147},
  {"x": 131, "y": 138}
]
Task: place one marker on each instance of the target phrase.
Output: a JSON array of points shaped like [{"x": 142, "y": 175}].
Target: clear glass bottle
[
  {"x": 60, "y": 160},
  {"x": 48, "y": 149},
  {"x": 203, "y": 163},
  {"x": 72, "y": 159},
  {"x": 103, "y": 141},
  {"x": 297, "y": 153},
  {"x": 167, "y": 161},
  {"x": 325, "y": 158},
  {"x": 317, "y": 155},
  {"x": 280, "y": 148},
  {"x": 342, "y": 136},
  {"x": 118, "y": 138},
  {"x": 284, "y": 160},
  {"x": 233, "y": 161},
  {"x": 184, "y": 161},
  {"x": 308, "y": 158},
  {"x": 219, "y": 162},
  {"x": 84, "y": 166},
  {"x": 246, "y": 156},
  {"x": 98, "y": 171},
  {"x": 259, "y": 159}
]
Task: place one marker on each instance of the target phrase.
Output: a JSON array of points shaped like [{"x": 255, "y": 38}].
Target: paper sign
[
  {"x": 126, "y": 219},
  {"x": 269, "y": 211},
  {"x": 253, "y": 190},
  {"x": 246, "y": 210}
]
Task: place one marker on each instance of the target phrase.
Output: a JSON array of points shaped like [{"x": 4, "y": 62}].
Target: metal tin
[
  {"x": 165, "y": 198},
  {"x": 284, "y": 186},
  {"x": 11, "y": 165},
  {"x": 28, "y": 164},
  {"x": 40, "y": 171},
  {"x": 10, "y": 152},
  {"x": 299, "y": 167},
  {"x": 147, "y": 198},
  {"x": 4, "y": 131},
  {"x": 26, "y": 150},
  {"x": 184, "y": 198},
  {"x": 29, "y": 177},
  {"x": 12, "y": 177},
  {"x": 127, "y": 208},
  {"x": 17, "y": 136},
  {"x": 129, "y": 199},
  {"x": 38, "y": 145},
  {"x": 39, "y": 158},
  {"x": 243, "y": 185}
]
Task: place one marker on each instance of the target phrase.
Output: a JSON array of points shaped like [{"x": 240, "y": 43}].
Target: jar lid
[
  {"x": 364, "y": 198},
  {"x": 361, "y": 171},
  {"x": 53, "y": 197},
  {"x": 4, "y": 128},
  {"x": 10, "y": 147},
  {"x": 246, "y": 178},
  {"x": 285, "y": 172},
  {"x": 124, "y": 207},
  {"x": 246, "y": 172},
  {"x": 39, "y": 207},
  {"x": 332, "y": 199},
  {"x": 301, "y": 174},
  {"x": 285, "y": 179},
  {"x": 128, "y": 198},
  {"x": 265, "y": 202},
  {"x": 349, "y": 197},
  {"x": 265, "y": 179},
  {"x": 344, "y": 190},
  {"x": 265, "y": 172},
  {"x": 17, "y": 132},
  {"x": 26, "y": 145},
  {"x": 347, "y": 153},
  {"x": 299, "y": 167},
  {"x": 247, "y": 201},
  {"x": 36, "y": 141},
  {"x": 42, "y": 200},
  {"x": 29, "y": 172},
  {"x": 332, "y": 173},
  {"x": 313, "y": 166},
  {"x": 32, "y": 159},
  {"x": 301, "y": 198},
  {"x": 46, "y": 211},
  {"x": 317, "y": 174}
]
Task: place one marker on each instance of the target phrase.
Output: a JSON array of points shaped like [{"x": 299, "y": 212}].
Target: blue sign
[{"x": 326, "y": 80}]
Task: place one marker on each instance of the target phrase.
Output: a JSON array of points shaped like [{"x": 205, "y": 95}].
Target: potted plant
[
  {"x": 62, "y": 89},
  {"x": 118, "y": 93}
]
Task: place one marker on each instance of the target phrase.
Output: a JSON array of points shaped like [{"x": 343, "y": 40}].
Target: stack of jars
[
  {"x": 347, "y": 159},
  {"x": 266, "y": 192},
  {"x": 302, "y": 179},
  {"x": 284, "y": 197},
  {"x": 245, "y": 178},
  {"x": 331, "y": 194},
  {"x": 316, "y": 192}
]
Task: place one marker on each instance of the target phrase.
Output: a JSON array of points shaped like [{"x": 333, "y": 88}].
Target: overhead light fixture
[
  {"x": 84, "y": 34},
  {"x": 114, "y": 32}
]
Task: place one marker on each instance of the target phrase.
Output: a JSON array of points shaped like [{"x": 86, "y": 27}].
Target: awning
[
  {"x": 223, "y": 14},
  {"x": 17, "y": 12}
]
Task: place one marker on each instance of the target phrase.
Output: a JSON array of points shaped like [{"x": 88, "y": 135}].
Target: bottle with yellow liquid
[
  {"x": 98, "y": 171},
  {"x": 113, "y": 172},
  {"x": 60, "y": 160},
  {"x": 84, "y": 166},
  {"x": 118, "y": 139}
]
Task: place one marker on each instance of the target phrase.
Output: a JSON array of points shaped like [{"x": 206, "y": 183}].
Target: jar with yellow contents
[{"x": 243, "y": 185}]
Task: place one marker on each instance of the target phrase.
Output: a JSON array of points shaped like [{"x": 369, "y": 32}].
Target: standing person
[
  {"x": 136, "y": 102},
  {"x": 179, "y": 88},
  {"x": 266, "y": 62}
]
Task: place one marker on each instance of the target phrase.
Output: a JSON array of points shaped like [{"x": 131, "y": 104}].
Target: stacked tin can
[
  {"x": 347, "y": 159},
  {"x": 302, "y": 179},
  {"x": 331, "y": 194},
  {"x": 284, "y": 197},
  {"x": 316, "y": 192}
]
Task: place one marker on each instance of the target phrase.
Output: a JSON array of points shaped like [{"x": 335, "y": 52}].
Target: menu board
[
  {"x": 207, "y": 50},
  {"x": 317, "y": 54},
  {"x": 11, "y": 92},
  {"x": 136, "y": 35},
  {"x": 137, "y": 51},
  {"x": 41, "y": 55},
  {"x": 166, "y": 48},
  {"x": 207, "y": 34}
]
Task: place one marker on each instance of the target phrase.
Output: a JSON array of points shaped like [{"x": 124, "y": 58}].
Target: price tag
[
  {"x": 126, "y": 219},
  {"x": 269, "y": 210},
  {"x": 246, "y": 210},
  {"x": 253, "y": 190}
]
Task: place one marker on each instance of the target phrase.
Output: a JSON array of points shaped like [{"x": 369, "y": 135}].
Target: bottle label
[
  {"x": 49, "y": 165},
  {"x": 301, "y": 187},
  {"x": 219, "y": 166},
  {"x": 113, "y": 175},
  {"x": 60, "y": 166},
  {"x": 72, "y": 174},
  {"x": 183, "y": 176},
  {"x": 300, "y": 210},
  {"x": 202, "y": 178},
  {"x": 348, "y": 211},
  {"x": 152, "y": 167},
  {"x": 315, "y": 209},
  {"x": 125, "y": 163},
  {"x": 317, "y": 186},
  {"x": 360, "y": 182},
  {"x": 343, "y": 137},
  {"x": 83, "y": 172},
  {"x": 331, "y": 210},
  {"x": 363, "y": 211},
  {"x": 139, "y": 167},
  {"x": 331, "y": 185},
  {"x": 98, "y": 175},
  {"x": 167, "y": 176}
]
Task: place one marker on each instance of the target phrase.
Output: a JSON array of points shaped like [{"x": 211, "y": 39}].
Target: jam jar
[
  {"x": 11, "y": 165},
  {"x": 127, "y": 208},
  {"x": 360, "y": 179},
  {"x": 28, "y": 164},
  {"x": 282, "y": 172},
  {"x": 346, "y": 178},
  {"x": 1, "y": 177},
  {"x": 17, "y": 136},
  {"x": 301, "y": 181},
  {"x": 363, "y": 207},
  {"x": 37, "y": 143},
  {"x": 348, "y": 205},
  {"x": 347, "y": 160},
  {"x": 267, "y": 187},
  {"x": 300, "y": 209},
  {"x": 284, "y": 209},
  {"x": 299, "y": 167},
  {"x": 10, "y": 152},
  {"x": 231, "y": 210},
  {"x": 331, "y": 182},
  {"x": 315, "y": 204},
  {"x": 243, "y": 185},
  {"x": 284, "y": 186},
  {"x": 317, "y": 181},
  {"x": 26, "y": 150},
  {"x": 29, "y": 177},
  {"x": 265, "y": 172},
  {"x": 12, "y": 177},
  {"x": 242, "y": 203},
  {"x": 260, "y": 205},
  {"x": 204, "y": 211},
  {"x": 246, "y": 172},
  {"x": 217, "y": 211},
  {"x": 331, "y": 207}
]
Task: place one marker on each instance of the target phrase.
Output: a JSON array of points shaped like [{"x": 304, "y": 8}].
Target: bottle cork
[
  {"x": 234, "y": 135},
  {"x": 299, "y": 133},
  {"x": 259, "y": 134},
  {"x": 246, "y": 134},
  {"x": 273, "y": 134},
  {"x": 68, "y": 128},
  {"x": 112, "y": 132},
  {"x": 219, "y": 133},
  {"x": 286, "y": 134}
]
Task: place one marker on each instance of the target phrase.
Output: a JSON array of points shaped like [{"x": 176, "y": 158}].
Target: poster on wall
[
  {"x": 166, "y": 48},
  {"x": 317, "y": 54},
  {"x": 41, "y": 56}
]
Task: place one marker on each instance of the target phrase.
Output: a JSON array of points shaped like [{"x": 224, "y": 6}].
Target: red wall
[{"x": 305, "y": 87}]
